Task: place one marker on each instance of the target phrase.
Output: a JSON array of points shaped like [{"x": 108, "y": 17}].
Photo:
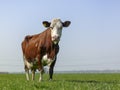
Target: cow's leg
[
  {"x": 26, "y": 68},
  {"x": 33, "y": 74},
  {"x": 41, "y": 75},
  {"x": 51, "y": 69},
  {"x": 40, "y": 67},
  {"x": 27, "y": 73}
]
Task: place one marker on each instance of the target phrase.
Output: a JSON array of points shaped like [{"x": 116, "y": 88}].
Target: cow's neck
[
  {"x": 50, "y": 48},
  {"x": 53, "y": 50}
]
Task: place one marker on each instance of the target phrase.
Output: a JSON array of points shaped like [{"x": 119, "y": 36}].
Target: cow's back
[{"x": 32, "y": 44}]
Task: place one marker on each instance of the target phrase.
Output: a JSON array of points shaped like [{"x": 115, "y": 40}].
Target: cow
[{"x": 41, "y": 49}]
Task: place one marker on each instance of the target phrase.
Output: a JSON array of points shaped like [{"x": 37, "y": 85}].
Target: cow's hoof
[{"x": 50, "y": 79}]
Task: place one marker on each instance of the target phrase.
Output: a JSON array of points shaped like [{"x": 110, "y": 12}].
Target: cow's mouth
[{"x": 55, "y": 39}]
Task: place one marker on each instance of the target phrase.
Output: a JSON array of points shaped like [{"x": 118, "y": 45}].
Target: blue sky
[{"x": 92, "y": 42}]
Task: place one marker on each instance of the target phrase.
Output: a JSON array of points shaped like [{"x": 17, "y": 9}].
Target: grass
[{"x": 61, "y": 82}]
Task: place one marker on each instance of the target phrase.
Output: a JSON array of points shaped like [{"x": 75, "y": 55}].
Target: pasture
[{"x": 61, "y": 82}]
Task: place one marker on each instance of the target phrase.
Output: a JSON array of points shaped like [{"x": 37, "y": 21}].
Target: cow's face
[{"x": 56, "y": 31}]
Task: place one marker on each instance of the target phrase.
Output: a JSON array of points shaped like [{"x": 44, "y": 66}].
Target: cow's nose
[{"x": 56, "y": 37}]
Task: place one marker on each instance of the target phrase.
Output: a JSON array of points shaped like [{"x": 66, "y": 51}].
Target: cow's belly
[{"x": 34, "y": 65}]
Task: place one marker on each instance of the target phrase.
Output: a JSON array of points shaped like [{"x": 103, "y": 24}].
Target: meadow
[{"x": 61, "y": 82}]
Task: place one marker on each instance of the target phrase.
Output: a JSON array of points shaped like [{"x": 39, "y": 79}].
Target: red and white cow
[{"x": 41, "y": 49}]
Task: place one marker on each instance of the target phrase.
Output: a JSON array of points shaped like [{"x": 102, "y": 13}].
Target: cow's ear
[
  {"x": 66, "y": 23},
  {"x": 46, "y": 24}
]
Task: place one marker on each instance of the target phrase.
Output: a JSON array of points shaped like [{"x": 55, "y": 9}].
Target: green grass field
[{"x": 61, "y": 82}]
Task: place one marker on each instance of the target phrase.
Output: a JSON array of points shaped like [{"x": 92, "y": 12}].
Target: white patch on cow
[
  {"x": 31, "y": 64},
  {"x": 46, "y": 61},
  {"x": 56, "y": 30}
]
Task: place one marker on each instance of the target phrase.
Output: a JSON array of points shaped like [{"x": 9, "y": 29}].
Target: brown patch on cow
[{"x": 36, "y": 46}]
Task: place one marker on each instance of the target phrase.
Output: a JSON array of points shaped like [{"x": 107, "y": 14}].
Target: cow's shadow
[
  {"x": 83, "y": 81},
  {"x": 88, "y": 81}
]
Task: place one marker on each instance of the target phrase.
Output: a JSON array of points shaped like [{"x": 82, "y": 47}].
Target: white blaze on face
[{"x": 56, "y": 30}]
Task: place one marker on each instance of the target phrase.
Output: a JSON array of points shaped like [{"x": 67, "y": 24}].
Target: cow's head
[{"x": 56, "y": 31}]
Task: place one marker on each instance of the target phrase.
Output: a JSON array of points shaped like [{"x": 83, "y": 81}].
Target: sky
[{"x": 91, "y": 42}]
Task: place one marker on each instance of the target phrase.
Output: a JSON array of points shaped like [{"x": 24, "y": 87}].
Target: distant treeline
[
  {"x": 90, "y": 71},
  {"x": 81, "y": 71},
  {"x": 3, "y": 72}
]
